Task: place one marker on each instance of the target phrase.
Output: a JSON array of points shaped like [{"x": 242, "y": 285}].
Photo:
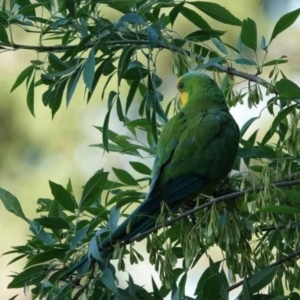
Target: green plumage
[{"x": 195, "y": 151}]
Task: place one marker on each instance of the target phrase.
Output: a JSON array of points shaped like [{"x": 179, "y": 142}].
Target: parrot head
[{"x": 198, "y": 87}]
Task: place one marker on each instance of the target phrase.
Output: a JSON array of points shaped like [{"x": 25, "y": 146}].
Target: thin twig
[{"x": 276, "y": 263}]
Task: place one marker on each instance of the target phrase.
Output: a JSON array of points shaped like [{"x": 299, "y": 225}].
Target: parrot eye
[{"x": 181, "y": 85}]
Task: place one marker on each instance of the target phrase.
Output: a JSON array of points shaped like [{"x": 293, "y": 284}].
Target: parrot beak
[{"x": 183, "y": 97}]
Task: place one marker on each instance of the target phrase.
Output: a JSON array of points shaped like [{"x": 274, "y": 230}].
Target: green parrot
[{"x": 195, "y": 151}]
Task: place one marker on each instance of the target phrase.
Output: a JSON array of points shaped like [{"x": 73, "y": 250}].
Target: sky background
[{"x": 34, "y": 150}]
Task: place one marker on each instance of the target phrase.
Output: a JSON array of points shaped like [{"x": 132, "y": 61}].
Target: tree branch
[
  {"x": 209, "y": 204},
  {"x": 276, "y": 263},
  {"x": 142, "y": 44}
]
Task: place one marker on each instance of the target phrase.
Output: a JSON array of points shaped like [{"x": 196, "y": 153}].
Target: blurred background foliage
[{"x": 37, "y": 149}]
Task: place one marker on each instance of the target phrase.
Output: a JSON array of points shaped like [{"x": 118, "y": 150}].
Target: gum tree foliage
[{"x": 253, "y": 217}]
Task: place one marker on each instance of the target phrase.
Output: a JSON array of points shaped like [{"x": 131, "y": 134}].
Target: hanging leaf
[
  {"x": 284, "y": 22},
  {"x": 288, "y": 89},
  {"x": 88, "y": 70},
  {"x": 249, "y": 34},
  {"x": 217, "y": 12}
]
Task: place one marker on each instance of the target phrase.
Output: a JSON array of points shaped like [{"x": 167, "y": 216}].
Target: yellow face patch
[{"x": 183, "y": 97}]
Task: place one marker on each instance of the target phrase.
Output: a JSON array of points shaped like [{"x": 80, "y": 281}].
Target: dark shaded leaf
[
  {"x": 26, "y": 73},
  {"x": 125, "y": 177},
  {"x": 280, "y": 116},
  {"x": 88, "y": 70},
  {"x": 247, "y": 295},
  {"x": 132, "y": 18},
  {"x": 56, "y": 63},
  {"x": 12, "y": 204},
  {"x": 275, "y": 62},
  {"x": 62, "y": 196},
  {"x": 217, "y": 12},
  {"x": 27, "y": 277},
  {"x": 280, "y": 209},
  {"x": 211, "y": 287},
  {"x": 249, "y": 34},
  {"x": 284, "y": 22},
  {"x": 3, "y": 35},
  {"x": 204, "y": 35},
  {"x": 30, "y": 96},
  {"x": 174, "y": 12},
  {"x": 72, "y": 83},
  {"x": 288, "y": 89},
  {"x": 46, "y": 256},
  {"x": 53, "y": 223},
  {"x": 141, "y": 168},
  {"x": 109, "y": 281},
  {"x": 195, "y": 18},
  {"x": 294, "y": 196},
  {"x": 152, "y": 36}
]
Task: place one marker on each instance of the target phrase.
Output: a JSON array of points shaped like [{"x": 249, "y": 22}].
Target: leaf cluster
[{"x": 257, "y": 231}]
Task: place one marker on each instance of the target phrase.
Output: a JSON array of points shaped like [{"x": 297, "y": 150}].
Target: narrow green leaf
[
  {"x": 245, "y": 61},
  {"x": 262, "y": 278},
  {"x": 275, "y": 62},
  {"x": 63, "y": 197},
  {"x": 12, "y": 204},
  {"x": 132, "y": 18},
  {"x": 93, "y": 249},
  {"x": 93, "y": 188},
  {"x": 72, "y": 83},
  {"x": 219, "y": 45},
  {"x": 281, "y": 115},
  {"x": 120, "y": 110},
  {"x": 211, "y": 287},
  {"x": 88, "y": 70},
  {"x": 204, "y": 35},
  {"x": 54, "y": 98},
  {"x": 26, "y": 277},
  {"x": 288, "y": 89},
  {"x": 125, "y": 60},
  {"x": 53, "y": 223},
  {"x": 30, "y": 96},
  {"x": 141, "y": 168},
  {"x": 247, "y": 295},
  {"x": 195, "y": 18},
  {"x": 247, "y": 125},
  {"x": 3, "y": 35},
  {"x": 56, "y": 63},
  {"x": 125, "y": 177},
  {"x": 294, "y": 196},
  {"x": 132, "y": 91},
  {"x": 152, "y": 36},
  {"x": 109, "y": 281},
  {"x": 263, "y": 43},
  {"x": 105, "y": 131},
  {"x": 154, "y": 126},
  {"x": 70, "y": 5},
  {"x": 175, "y": 11},
  {"x": 284, "y": 22},
  {"x": 253, "y": 152},
  {"x": 210, "y": 63},
  {"x": 217, "y": 12},
  {"x": 280, "y": 209},
  {"x": 46, "y": 256},
  {"x": 249, "y": 34},
  {"x": 22, "y": 76}
]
